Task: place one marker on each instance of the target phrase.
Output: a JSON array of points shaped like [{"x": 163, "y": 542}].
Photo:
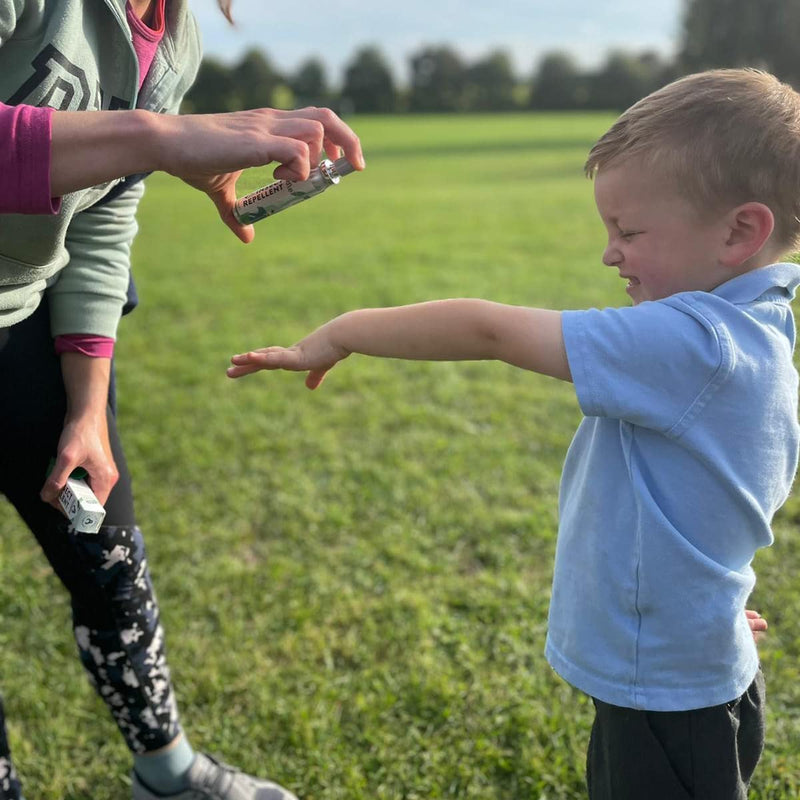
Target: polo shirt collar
[{"x": 752, "y": 285}]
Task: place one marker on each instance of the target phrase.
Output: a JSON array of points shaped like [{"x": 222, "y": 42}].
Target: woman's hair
[
  {"x": 723, "y": 137},
  {"x": 225, "y": 8}
]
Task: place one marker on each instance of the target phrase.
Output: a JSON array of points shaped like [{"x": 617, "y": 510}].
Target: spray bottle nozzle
[{"x": 343, "y": 167}]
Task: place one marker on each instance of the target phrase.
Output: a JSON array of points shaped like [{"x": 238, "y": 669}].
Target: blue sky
[{"x": 292, "y": 32}]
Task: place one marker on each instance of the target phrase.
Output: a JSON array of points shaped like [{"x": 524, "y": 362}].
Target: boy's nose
[{"x": 611, "y": 256}]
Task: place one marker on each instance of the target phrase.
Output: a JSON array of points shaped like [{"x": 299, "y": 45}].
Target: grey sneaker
[{"x": 210, "y": 779}]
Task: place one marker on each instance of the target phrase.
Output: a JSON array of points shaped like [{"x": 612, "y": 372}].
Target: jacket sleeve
[{"x": 92, "y": 289}]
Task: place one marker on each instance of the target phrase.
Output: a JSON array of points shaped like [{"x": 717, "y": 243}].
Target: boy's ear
[{"x": 749, "y": 227}]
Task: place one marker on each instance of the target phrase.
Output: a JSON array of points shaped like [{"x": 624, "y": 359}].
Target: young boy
[{"x": 689, "y": 442}]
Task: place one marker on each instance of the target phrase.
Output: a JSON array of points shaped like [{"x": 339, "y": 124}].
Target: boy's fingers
[
  {"x": 315, "y": 378},
  {"x": 272, "y": 358},
  {"x": 267, "y": 358},
  {"x": 238, "y": 372},
  {"x": 755, "y": 620},
  {"x": 243, "y": 367},
  {"x": 247, "y": 359}
]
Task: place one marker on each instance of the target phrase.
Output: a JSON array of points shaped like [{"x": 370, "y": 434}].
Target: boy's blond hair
[{"x": 725, "y": 137}]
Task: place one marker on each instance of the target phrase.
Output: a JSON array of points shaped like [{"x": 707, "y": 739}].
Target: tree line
[{"x": 715, "y": 33}]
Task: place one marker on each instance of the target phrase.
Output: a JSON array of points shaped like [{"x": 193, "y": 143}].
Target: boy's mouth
[{"x": 632, "y": 282}]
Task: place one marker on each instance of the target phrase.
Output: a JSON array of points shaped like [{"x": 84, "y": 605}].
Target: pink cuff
[
  {"x": 25, "y": 134},
  {"x": 92, "y": 346}
]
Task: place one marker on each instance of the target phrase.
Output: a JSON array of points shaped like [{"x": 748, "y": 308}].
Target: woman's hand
[
  {"x": 83, "y": 443},
  {"x": 209, "y": 151}
]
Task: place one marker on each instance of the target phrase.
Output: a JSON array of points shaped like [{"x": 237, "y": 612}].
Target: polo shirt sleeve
[{"x": 656, "y": 364}]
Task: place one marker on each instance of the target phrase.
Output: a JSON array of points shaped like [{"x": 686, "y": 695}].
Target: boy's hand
[
  {"x": 316, "y": 354},
  {"x": 756, "y": 622}
]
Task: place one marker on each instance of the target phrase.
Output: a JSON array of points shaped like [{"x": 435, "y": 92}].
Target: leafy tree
[
  {"x": 780, "y": 50},
  {"x": 490, "y": 83},
  {"x": 310, "y": 85},
  {"x": 558, "y": 84},
  {"x": 214, "y": 90},
  {"x": 256, "y": 80},
  {"x": 722, "y": 33},
  {"x": 736, "y": 33},
  {"x": 438, "y": 79},
  {"x": 624, "y": 79},
  {"x": 368, "y": 83}
]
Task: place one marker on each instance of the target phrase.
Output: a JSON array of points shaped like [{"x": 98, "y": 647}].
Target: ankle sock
[{"x": 165, "y": 772}]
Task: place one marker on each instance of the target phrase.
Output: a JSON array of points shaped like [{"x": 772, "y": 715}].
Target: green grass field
[{"x": 355, "y": 581}]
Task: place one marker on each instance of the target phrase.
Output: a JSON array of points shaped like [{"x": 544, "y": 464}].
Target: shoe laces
[{"x": 217, "y": 782}]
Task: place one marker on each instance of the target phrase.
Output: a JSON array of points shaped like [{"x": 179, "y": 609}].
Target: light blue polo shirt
[{"x": 688, "y": 447}]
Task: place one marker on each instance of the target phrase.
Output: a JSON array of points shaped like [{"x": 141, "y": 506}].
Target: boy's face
[{"x": 656, "y": 239}]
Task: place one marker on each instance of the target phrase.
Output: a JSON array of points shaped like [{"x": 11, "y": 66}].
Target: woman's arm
[
  {"x": 46, "y": 154},
  {"x": 84, "y": 439},
  {"x": 91, "y": 147},
  {"x": 208, "y": 151}
]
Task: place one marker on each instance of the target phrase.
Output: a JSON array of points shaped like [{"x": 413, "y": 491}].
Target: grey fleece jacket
[{"x": 77, "y": 55}]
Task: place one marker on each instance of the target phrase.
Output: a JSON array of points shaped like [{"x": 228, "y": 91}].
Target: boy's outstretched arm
[{"x": 441, "y": 330}]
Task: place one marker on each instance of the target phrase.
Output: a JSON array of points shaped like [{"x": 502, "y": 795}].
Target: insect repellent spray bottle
[{"x": 271, "y": 199}]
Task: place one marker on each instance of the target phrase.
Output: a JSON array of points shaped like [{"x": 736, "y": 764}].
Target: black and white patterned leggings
[{"x": 115, "y": 613}]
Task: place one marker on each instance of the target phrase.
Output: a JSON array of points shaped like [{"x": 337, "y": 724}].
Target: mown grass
[{"x": 355, "y": 581}]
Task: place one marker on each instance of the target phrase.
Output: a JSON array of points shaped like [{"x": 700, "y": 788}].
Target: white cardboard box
[{"x": 81, "y": 506}]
